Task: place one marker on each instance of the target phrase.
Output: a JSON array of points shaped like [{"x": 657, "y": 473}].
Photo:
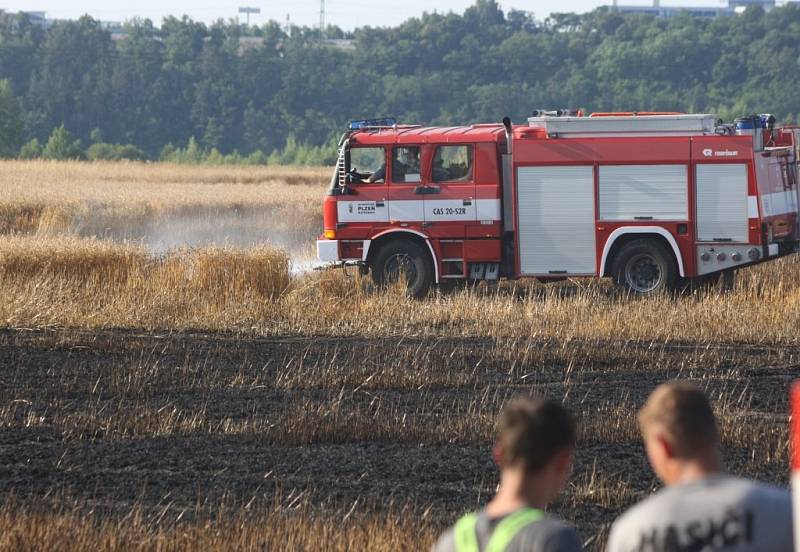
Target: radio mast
[{"x": 322, "y": 20}]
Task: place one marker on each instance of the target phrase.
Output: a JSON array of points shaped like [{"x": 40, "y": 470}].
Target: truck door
[
  {"x": 405, "y": 182},
  {"x": 722, "y": 203},
  {"x": 555, "y": 217},
  {"x": 366, "y": 205},
  {"x": 450, "y": 205}
]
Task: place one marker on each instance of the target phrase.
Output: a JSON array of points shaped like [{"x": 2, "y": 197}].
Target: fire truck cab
[{"x": 652, "y": 200}]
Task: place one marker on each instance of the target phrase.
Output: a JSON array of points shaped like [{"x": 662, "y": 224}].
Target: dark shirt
[{"x": 549, "y": 534}]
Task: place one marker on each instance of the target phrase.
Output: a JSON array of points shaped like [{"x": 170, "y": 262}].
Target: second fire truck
[{"x": 654, "y": 200}]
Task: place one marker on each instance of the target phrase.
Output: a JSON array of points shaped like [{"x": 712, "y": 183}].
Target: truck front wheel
[
  {"x": 403, "y": 259},
  {"x": 645, "y": 267}
]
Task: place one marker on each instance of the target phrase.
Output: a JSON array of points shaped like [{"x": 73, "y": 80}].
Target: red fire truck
[{"x": 654, "y": 200}]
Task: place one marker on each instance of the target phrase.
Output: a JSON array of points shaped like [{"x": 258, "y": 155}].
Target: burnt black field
[{"x": 180, "y": 421}]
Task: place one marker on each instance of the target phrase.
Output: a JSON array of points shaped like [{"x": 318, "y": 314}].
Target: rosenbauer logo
[{"x": 708, "y": 152}]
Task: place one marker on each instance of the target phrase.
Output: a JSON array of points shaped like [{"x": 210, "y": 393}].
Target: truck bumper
[{"x": 328, "y": 251}]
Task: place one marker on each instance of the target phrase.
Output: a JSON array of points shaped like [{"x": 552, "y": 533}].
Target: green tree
[
  {"x": 31, "y": 150},
  {"x": 214, "y": 157},
  {"x": 72, "y": 84},
  {"x": 61, "y": 145},
  {"x": 212, "y": 137},
  {"x": 10, "y": 121},
  {"x": 102, "y": 151},
  {"x": 167, "y": 153},
  {"x": 193, "y": 152},
  {"x": 249, "y": 90},
  {"x": 96, "y": 136},
  {"x": 129, "y": 152}
]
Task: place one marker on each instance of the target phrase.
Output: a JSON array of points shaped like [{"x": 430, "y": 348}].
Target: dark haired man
[
  {"x": 534, "y": 451},
  {"x": 701, "y": 509}
]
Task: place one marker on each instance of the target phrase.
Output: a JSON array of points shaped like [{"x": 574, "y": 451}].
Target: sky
[{"x": 346, "y": 14}]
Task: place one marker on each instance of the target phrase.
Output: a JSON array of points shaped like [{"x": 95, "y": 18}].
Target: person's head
[
  {"x": 536, "y": 441},
  {"x": 409, "y": 156},
  {"x": 680, "y": 432}
]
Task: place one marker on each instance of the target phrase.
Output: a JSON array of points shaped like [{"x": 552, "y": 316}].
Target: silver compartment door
[
  {"x": 722, "y": 202},
  {"x": 556, "y": 220},
  {"x": 643, "y": 192}
]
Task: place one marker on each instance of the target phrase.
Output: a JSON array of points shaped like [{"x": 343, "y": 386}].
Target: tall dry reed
[
  {"x": 70, "y": 281},
  {"x": 94, "y": 283},
  {"x": 162, "y": 205},
  {"x": 296, "y": 527}
]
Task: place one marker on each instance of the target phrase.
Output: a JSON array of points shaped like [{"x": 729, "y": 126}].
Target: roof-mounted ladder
[
  {"x": 340, "y": 166},
  {"x": 626, "y": 125}
]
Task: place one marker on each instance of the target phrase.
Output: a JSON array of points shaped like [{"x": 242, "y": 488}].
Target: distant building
[
  {"x": 38, "y": 18},
  {"x": 340, "y": 43},
  {"x": 116, "y": 28},
  {"x": 657, "y": 10},
  {"x": 766, "y": 4},
  {"x": 249, "y": 43},
  {"x": 671, "y": 11}
]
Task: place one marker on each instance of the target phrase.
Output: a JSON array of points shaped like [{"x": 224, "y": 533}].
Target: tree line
[{"x": 187, "y": 91}]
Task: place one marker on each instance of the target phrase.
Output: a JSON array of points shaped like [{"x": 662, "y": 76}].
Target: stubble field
[{"x": 173, "y": 376}]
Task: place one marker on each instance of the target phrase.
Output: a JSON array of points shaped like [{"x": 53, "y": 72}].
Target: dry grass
[
  {"x": 96, "y": 285},
  {"x": 290, "y": 526},
  {"x": 161, "y": 205},
  {"x": 355, "y": 416},
  {"x": 764, "y": 308},
  {"x": 69, "y": 281},
  {"x": 603, "y": 489}
]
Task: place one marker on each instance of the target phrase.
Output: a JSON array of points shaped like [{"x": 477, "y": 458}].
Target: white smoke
[{"x": 204, "y": 227}]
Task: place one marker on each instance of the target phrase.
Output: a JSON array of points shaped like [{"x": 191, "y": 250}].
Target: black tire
[
  {"x": 645, "y": 267},
  {"x": 404, "y": 257}
]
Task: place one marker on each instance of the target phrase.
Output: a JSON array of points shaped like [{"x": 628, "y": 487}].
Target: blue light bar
[{"x": 372, "y": 123}]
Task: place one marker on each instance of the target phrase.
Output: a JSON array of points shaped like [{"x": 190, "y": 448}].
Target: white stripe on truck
[
  {"x": 415, "y": 210},
  {"x": 489, "y": 209}
]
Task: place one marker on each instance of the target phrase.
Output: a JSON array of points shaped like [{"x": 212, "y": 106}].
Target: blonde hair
[{"x": 682, "y": 411}]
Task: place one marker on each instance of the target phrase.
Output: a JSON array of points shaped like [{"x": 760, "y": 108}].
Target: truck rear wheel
[
  {"x": 404, "y": 259},
  {"x": 645, "y": 267}
]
